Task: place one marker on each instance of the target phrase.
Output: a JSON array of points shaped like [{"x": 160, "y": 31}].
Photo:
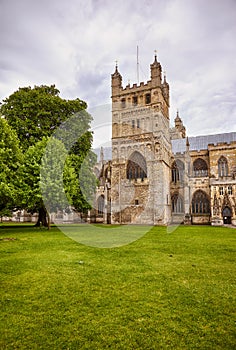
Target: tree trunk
[
  {"x": 42, "y": 218},
  {"x": 49, "y": 221}
]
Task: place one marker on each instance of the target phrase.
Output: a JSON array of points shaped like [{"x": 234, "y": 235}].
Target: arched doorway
[{"x": 227, "y": 214}]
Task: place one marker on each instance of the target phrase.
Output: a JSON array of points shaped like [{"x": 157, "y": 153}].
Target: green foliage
[
  {"x": 29, "y": 177},
  {"x": 58, "y": 179},
  {"x": 10, "y": 159},
  {"x": 87, "y": 181},
  {"x": 164, "y": 291},
  {"x": 36, "y": 112},
  {"x": 49, "y": 178}
]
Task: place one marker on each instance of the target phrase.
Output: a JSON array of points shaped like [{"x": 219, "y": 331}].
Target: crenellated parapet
[{"x": 154, "y": 92}]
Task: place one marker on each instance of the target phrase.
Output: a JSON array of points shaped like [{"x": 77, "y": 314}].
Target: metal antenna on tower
[{"x": 137, "y": 66}]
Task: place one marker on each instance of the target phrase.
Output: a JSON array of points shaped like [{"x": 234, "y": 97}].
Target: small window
[
  {"x": 133, "y": 124},
  {"x": 230, "y": 190},
  {"x": 221, "y": 190},
  {"x": 135, "y": 100},
  {"x": 147, "y": 99},
  {"x": 123, "y": 103},
  {"x": 136, "y": 201},
  {"x": 138, "y": 123}
]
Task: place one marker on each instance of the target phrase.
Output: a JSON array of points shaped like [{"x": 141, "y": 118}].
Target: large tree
[
  {"x": 10, "y": 159},
  {"x": 38, "y": 113},
  {"x": 47, "y": 180}
]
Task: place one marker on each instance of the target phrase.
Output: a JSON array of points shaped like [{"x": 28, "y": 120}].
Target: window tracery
[
  {"x": 177, "y": 204},
  {"x": 200, "y": 203},
  {"x": 200, "y": 168},
  {"x": 100, "y": 203},
  {"x": 177, "y": 171},
  {"x": 222, "y": 167},
  {"x": 136, "y": 167}
]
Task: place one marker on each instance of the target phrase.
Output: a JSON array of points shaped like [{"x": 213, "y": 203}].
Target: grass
[{"x": 164, "y": 291}]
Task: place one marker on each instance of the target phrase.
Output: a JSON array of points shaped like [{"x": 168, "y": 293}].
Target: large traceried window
[
  {"x": 136, "y": 167},
  {"x": 222, "y": 167},
  {"x": 100, "y": 203},
  {"x": 177, "y": 171},
  {"x": 177, "y": 204},
  {"x": 200, "y": 168},
  {"x": 200, "y": 203}
]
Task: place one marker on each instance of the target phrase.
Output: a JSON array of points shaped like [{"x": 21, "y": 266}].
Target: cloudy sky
[{"x": 74, "y": 44}]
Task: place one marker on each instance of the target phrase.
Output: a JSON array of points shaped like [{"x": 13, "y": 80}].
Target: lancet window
[{"x": 222, "y": 167}]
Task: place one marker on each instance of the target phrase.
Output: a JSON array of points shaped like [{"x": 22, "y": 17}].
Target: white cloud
[{"x": 75, "y": 44}]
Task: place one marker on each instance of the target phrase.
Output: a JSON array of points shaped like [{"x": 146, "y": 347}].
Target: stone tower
[{"x": 141, "y": 150}]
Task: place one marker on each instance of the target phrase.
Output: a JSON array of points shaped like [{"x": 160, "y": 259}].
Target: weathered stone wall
[{"x": 140, "y": 122}]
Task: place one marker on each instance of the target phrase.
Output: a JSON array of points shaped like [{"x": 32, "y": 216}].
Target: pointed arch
[
  {"x": 222, "y": 167},
  {"x": 177, "y": 171},
  {"x": 227, "y": 214},
  {"x": 100, "y": 204},
  {"x": 177, "y": 203},
  {"x": 136, "y": 167},
  {"x": 200, "y": 168},
  {"x": 200, "y": 203}
]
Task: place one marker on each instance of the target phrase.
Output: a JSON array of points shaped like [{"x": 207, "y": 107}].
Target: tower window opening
[
  {"x": 135, "y": 100},
  {"x": 133, "y": 123},
  {"x": 147, "y": 99},
  {"x": 123, "y": 103},
  {"x": 221, "y": 190},
  {"x": 138, "y": 123}
]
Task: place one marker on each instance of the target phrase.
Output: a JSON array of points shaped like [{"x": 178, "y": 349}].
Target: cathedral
[{"x": 154, "y": 174}]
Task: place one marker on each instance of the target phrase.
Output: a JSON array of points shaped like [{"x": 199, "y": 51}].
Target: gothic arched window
[
  {"x": 177, "y": 171},
  {"x": 222, "y": 167},
  {"x": 100, "y": 203},
  {"x": 136, "y": 167},
  {"x": 200, "y": 168},
  {"x": 177, "y": 203},
  {"x": 200, "y": 203}
]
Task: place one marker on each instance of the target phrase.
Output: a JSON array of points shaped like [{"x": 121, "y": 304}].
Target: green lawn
[{"x": 164, "y": 291}]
